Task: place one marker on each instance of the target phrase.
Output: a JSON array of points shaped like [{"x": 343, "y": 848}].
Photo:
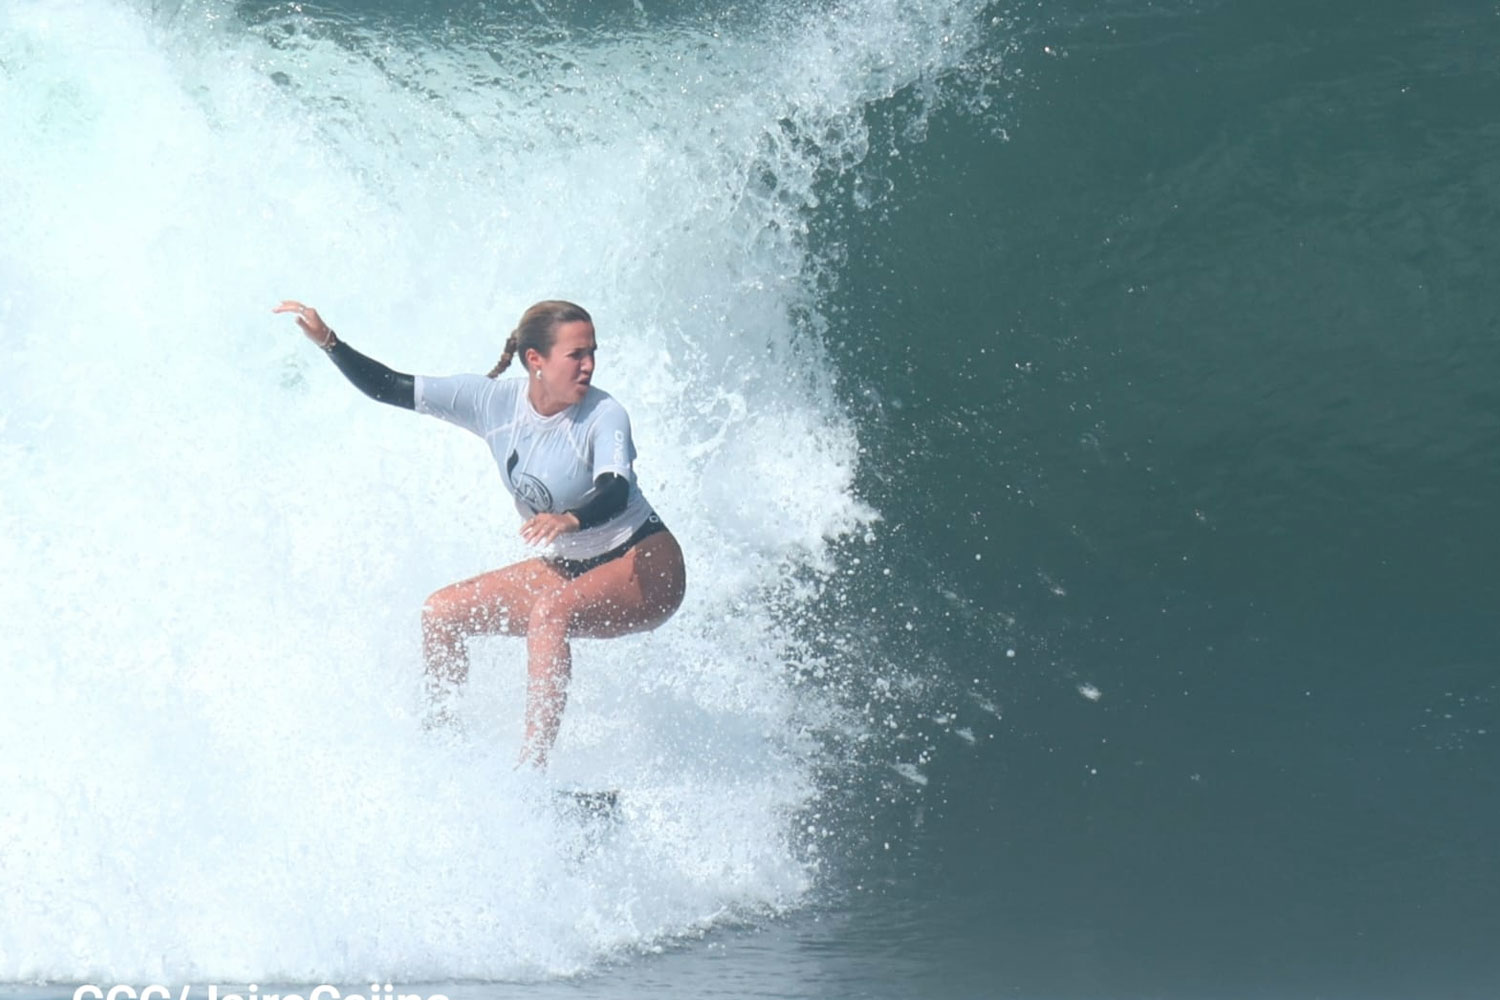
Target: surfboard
[
  {"x": 588, "y": 821},
  {"x": 587, "y": 804}
]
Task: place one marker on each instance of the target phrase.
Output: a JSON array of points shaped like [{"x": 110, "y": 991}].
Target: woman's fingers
[
  {"x": 544, "y": 528},
  {"x": 307, "y": 317},
  {"x": 305, "y": 314}
]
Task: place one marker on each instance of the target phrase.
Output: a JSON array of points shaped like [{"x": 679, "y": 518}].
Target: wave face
[
  {"x": 216, "y": 550},
  {"x": 1179, "y": 410}
]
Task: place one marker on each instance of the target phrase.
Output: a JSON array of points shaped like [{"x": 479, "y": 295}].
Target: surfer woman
[{"x": 609, "y": 566}]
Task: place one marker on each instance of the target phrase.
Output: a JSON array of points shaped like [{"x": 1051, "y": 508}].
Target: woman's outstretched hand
[
  {"x": 543, "y": 528},
  {"x": 312, "y": 324}
]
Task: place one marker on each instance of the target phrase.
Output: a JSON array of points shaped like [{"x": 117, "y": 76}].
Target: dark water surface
[{"x": 1202, "y": 362}]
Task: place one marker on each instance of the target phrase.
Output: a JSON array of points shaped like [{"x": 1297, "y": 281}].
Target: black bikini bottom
[{"x": 574, "y": 568}]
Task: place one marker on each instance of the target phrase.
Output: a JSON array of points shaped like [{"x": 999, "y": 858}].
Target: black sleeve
[
  {"x": 603, "y": 502},
  {"x": 373, "y": 378}
]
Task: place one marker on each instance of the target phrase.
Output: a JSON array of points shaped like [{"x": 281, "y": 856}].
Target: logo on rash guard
[{"x": 532, "y": 491}]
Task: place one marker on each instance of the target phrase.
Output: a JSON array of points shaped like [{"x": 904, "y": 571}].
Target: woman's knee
[{"x": 449, "y": 610}]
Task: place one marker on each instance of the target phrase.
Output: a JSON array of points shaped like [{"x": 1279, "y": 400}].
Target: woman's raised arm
[{"x": 368, "y": 375}]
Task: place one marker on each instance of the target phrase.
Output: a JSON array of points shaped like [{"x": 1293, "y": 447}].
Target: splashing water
[{"x": 215, "y": 550}]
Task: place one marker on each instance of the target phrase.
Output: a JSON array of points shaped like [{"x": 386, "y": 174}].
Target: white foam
[{"x": 215, "y": 550}]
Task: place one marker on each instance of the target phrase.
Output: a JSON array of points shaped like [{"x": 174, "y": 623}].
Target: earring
[{"x": 538, "y": 373}]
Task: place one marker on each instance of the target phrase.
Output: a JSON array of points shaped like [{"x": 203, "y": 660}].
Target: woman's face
[{"x": 562, "y": 377}]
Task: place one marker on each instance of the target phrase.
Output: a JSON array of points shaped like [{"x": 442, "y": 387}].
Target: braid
[
  {"x": 537, "y": 329},
  {"x": 505, "y": 356}
]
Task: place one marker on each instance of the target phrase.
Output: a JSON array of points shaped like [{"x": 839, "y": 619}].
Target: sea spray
[{"x": 215, "y": 549}]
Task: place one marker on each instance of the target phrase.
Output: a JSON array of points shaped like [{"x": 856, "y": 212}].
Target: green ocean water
[{"x": 1179, "y": 378}]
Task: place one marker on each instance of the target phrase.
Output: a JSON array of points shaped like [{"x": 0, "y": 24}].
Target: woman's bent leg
[
  {"x": 633, "y": 593},
  {"x": 494, "y": 603}
]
